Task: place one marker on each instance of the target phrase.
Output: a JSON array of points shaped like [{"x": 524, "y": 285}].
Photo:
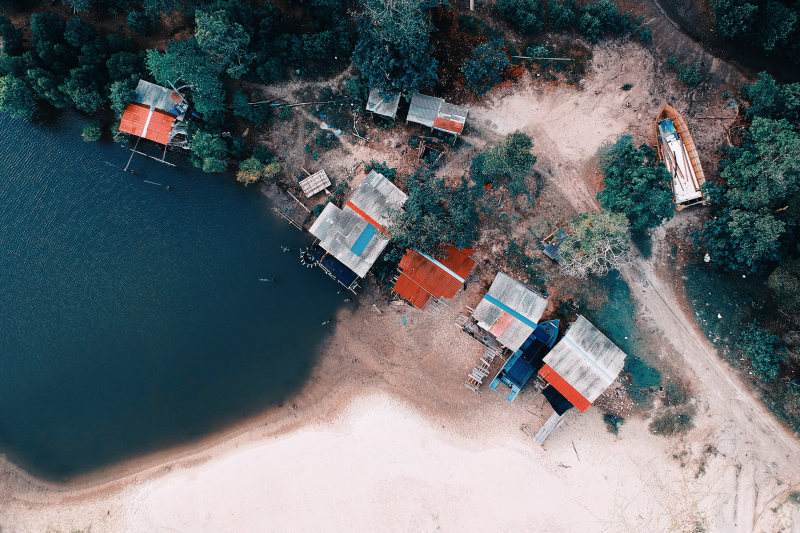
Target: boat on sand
[{"x": 679, "y": 154}]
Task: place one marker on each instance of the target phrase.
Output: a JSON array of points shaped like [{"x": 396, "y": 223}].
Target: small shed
[
  {"x": 423, "y": 277},
  {"x": 356, "y": 235},
  {"x": 437, "y": 114},
  {"x": 384, "y": 106},
  {"x": 510, "y": 311},
  {"x": 156, "y": 113},
  {"x": 315, "y": 183},
  {"x": 583, "y": 364}
]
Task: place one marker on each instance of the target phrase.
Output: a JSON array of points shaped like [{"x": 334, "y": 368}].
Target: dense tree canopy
[
  {"x": 770, "y": 25},
  {"x": 762, "y": 350},
  {"x": 509, "y": 163},
  {"x": 16, "y": 98},
  {"x": 487, "y": 66},
  {"x": 768, "y": 99},
  {"x": 223, "y": 40},
  {"x": 393, "y": 50},
  {"x": 636, "y": 184}
]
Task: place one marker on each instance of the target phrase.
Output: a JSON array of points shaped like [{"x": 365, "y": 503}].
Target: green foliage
[
  {"x": 225, "y": 41},
  {"x": 785, "y": 283},
  {"x": 257, "y": 114},
  {"x": 597, "y": 244},
  {"x": 92, "y": 131},
  {"x": 613, "y": 422},
  {"x": 121, "y": 93},
  {"x": 10, "y": 36},
  {"x": 357, "y": 90},
  {"x": 208, "y": 150},
  {"x": 762, "y": 350},
  {"x": 184, "y": 62},
  {"x": 382, "y": 168},
  {"x": 16, "y": 98},
  {"x": 691, "y": 76},
  {"x": 672, "y": 422},
  {"x": 140, "y": 22},
  {"x": 250, "y": 171},
  {"x": 78, "y": 32},
  {"x": 83, "y": 89},
  {"x": 511, "y": 161},
  {"x": 561, "y": 15},
  {"x": 79, "y": 5},
  {"x": 674, "y": 394},
  {"x": 435, "y": 215},
  {"x": 214, "y": 165},
  {"x": 285, "y": 113},
  {"x": 393, "y": 51},
  {"x": 760, "y": 177},
  {"x": 528, "y": 15},
  {"x": 768, "y": 99},
  {"x": 122, "y": 65},
  {"x": 636, "y": 184},
  {"x": 487, "y": 66},
  {"x": 262, "y": 154},
  {"x": 771, "y": 26},
  {"x": 602, "y": 18},
  {"x": 733, "y": 19}
]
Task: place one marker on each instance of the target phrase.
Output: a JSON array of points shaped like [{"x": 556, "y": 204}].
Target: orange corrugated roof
[
  {"x": 448, "y": 125},
  {"x": 428, "y": 277},
  {"x": 568, "y": 391},
  {"x": 412, "y": 292},
  {"x": 135, "y": 118}
]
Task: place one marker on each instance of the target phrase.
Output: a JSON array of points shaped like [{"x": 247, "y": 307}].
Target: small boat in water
[{"x": 679, "y": 154}]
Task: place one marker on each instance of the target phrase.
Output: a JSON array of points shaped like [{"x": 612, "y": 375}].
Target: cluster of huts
[{"x": 570, "y": 373}]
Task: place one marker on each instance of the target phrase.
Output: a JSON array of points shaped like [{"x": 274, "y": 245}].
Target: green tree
[
  {"x": 250, "y": 171},
  {"x": 10, "y": 37},
  {"x": 636, "y": 184},
  {"x": 768, "y": 99},
  {"x": 561, "y": 15},
  {"x": 92, "y": 131},
  {"x": 46, "y": 86},
  {"x": 743, "y": 240},
  {"x": 16, "y": 98},
  {"x": 185, "y": 64},
  {"x": 78, "y": 32},
  {"x": 785, "y": 283},
  {"x": 122, "y": 65},
  {"x": 393, "y": 51},
  {"x": 597, "y": 244},
  {"x": 121, "y": 93},
  {"x": 527, "y": 15},
  {"x": 761, "y": 348},
  {"x": 602, "y": 18},
  {"x": 511, "y": 160},
  {"x": 208, "y": 151},
  {"x": 79, "y": 5},
  {"x": 486, "y": 67},
  {"x": 733, "y": 19},
  {"x": 140, "y": 22},
  {"x": 223, "y": 40},
  {"x": 82, "y": 88}
]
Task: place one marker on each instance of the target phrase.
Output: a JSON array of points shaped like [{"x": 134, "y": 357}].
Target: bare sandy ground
[{"x": 385, "y": 436}]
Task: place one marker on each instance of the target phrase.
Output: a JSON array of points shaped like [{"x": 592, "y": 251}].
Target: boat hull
[{"x": 676, "y": 149}]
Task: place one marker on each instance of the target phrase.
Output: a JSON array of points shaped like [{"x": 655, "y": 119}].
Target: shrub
[
  {"x": 250, "y": 171},
  {"x": 785, "y": 283},
  {"x": 486, "y": 67},
  {"x": 16, "y": 98},
  {"x": 141, "y": 23},
  {"x": 382, "y": 168},
  {"x": 92, "y": 131},
  {"x": 526, "y": 14},
  {"x": 672, "y": 422},
  {"x": 262, "y": 154},
  {"x": 674, "y": 394},
  {"x": 561, "y": 15},
  {"x": 613, "y": 422},
  {"x": 602, "y": 18},
  {"x": 512, "y": 160},
  {"x": 761, "y": 348}
]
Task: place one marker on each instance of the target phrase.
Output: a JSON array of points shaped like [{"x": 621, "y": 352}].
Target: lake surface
[{"x": 132, "y": 315}]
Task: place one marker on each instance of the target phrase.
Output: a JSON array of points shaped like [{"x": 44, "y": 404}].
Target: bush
[
  {"x": 527, "y": 15},
  {"x": 382, "y": 168},
  {"x": 613, "y": 422},
  {"x": 141, "y": 23},
  {"x": 561, "y": 15},
  {"x": 486, "y": 67},
  {"x": 761, "y": 348},
  {"x": 674, "y": 394},
  {"x": 602, "y": 18},
  {"x": 92, "y": 131},
  {"x": 672, "y": 423},
  {"x": 785, "y": 283},
  {"x": 262, "y": 154},
  {"x": 16, "y": 98},
  {"x": 512, "y": 160}
]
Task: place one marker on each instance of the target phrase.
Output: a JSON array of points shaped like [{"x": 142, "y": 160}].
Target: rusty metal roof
[
  {"x": 440, "y": 278},
  {"x": 147, "y": 122}
]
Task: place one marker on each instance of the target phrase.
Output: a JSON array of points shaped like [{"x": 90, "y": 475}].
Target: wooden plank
[{"x": 549, "y": 426}]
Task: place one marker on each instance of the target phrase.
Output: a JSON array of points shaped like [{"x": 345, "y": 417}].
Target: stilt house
[
  {"x": 510, "y": 311},
  {"x": 156, "y": 114},
  {"x": 423, "y": 277},
  {"x": 352, "y": 238}
]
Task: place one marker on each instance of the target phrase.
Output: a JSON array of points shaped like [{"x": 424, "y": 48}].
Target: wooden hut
[
  {"x": 510, "y": 311},
  {"x": 423, "y": 277},
  {"x": 356, "y": 235},
  {"x": 583, "y": 364},
  {"x": 384, "y": 106},
  {"x": 437, "y": 114}
]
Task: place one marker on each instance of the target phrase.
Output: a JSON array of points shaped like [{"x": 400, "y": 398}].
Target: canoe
[{"x": 677, "y": 151}]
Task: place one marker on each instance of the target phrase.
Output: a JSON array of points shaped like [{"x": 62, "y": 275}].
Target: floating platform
[{"x": 679, "y": 154}]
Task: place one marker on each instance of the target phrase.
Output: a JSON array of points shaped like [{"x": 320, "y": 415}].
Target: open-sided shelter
[
  {"x": 510, "y": 311},
  {"x": 423, "y": 277},
  {"x": 380, "y": 105},
  {"x": 356, "y": 235},
  {"x": 583, "y": 364},
  {"x": 315, "y": 183},
  {"x": 435, "y": 113}
]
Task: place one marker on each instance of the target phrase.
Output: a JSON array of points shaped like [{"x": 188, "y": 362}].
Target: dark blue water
[{"x": 132, "y": 315}]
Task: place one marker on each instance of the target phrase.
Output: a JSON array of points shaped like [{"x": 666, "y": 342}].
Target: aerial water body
[{"x": 132, "y": 317}]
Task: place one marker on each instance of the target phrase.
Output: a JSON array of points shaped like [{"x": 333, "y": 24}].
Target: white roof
[{"x": 379, "y": 105}]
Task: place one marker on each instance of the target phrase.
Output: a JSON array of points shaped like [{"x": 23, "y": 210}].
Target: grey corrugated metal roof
[
  {"x": 379, "y": 198},
  {"x": 586, "y": 359},
  {"x": 339, "y": 229},
  {"x": 453, "y": 112},
  {"x": 517, "y": 297},
  {"x": 423, "y": 109},
  {"x": 161, "y": 98},
  {"x": 379, "y": 105},
  {"x": 315, "y": 183}
]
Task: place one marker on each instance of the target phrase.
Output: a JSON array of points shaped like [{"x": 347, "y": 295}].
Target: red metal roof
[
  {"x": 366, "y": 217},
  {"x": 136, "y": 116},
  {"x": 568, "y": 391},
  {"x": 448, "y": 125},
  {"x": 424, "y": 276},
  {"x": 501, "y": 324}
]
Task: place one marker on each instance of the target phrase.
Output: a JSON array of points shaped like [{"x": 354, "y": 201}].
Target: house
[
  {"x": 357, "y": 234},
  {"x": 423, "y": 277},
  {"x": 156, "y": 114},
  {"x": 582, "y": 365},
  {"x": 437, "y": 114},
  {"x": 315, "y": 183},
  {"x": 510, "y": 311},
  {"x": 376, "y": 103}
]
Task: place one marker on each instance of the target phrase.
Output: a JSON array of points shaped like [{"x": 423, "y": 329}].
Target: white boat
[{"x": 679, "y": 154}]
